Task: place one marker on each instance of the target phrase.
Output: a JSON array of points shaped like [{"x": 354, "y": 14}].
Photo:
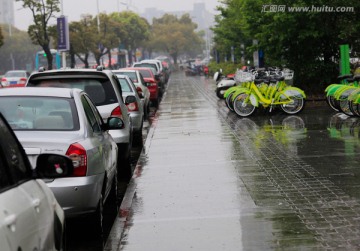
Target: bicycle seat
[
  {"x": 357, "y": 77},
  {"x": 350, "y": 80}
]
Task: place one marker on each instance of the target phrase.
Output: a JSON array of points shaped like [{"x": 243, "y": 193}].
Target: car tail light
[
  {"x": 117, "y": 113},
  {"x": 22, "y": 81},
  {"x": 139, "y": 91},
  {"x": 152, "y": 83},
  {"x": 77, "y": 154},
  {"x": 133, "y": 107}
]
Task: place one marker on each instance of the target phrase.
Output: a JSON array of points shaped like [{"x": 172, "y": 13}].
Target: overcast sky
[{"x": 75, "y": 8}]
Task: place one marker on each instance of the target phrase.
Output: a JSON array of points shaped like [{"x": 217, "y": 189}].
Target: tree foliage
[
  {"x": 42, "y": 12},
  {"x": 175, "y": 36},
  {"x": 17, "y": 51},
  {"x": 306, "y": 41},
  {"x": 132, "y": 30}
]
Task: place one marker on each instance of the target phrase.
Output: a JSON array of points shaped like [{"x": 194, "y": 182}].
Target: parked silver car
[
  {"x": 134, "y": 105},
  {"x": 141, "y": 87},
  {"x": 65, "y": 121},
  {"x": 103, "y": 88},
  {"x": 30, "y": 216}
]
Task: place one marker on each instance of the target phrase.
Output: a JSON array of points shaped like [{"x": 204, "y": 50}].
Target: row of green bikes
[
  {"x": 265, "y": 89},
  {"x": 345, "y": 96}
]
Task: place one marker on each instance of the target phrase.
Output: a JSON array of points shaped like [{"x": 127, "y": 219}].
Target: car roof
[
  {"x": 124, "y": 70},
  {"x": 43, "y": 91},
  {"x": 71, "y": 72}
]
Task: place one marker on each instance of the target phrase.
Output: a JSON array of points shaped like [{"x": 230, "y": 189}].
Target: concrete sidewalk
[{"x": 185, "y": 194}]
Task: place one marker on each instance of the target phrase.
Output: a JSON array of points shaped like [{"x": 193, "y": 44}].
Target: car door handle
[
  {"x": 36, "y": 204},
  {"x": 10, "y": 221}
]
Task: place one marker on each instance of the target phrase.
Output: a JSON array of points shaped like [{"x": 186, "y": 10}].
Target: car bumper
[{"x": 77, "y": 195}]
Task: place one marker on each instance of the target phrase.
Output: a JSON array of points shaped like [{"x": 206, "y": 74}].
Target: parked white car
[
  {"x": 65, "y": 121},
  {"x": 141, "y": 87},
  {"x": 103, "y": 88},
  {"x": 30, "y": 216},
  {"x": 134, "y": 105},
  {"x": 14, "y": 78}
]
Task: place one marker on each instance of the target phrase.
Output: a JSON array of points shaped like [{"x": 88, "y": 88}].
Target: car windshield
[
  {"x": 100, "y": 91},
  {"x": 39, "y": 113},
  {"x": 125, "y": 86}
]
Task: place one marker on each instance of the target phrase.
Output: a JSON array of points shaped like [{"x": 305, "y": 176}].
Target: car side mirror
[
  {"x": 53, "y": 166},
  {"x": 113, "y": 123}
]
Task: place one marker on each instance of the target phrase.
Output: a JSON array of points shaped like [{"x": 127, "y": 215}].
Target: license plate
[{"x": 13, "y": 82}]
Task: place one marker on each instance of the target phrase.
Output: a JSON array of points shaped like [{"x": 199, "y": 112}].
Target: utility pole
[{"x": 63, "y": 53}]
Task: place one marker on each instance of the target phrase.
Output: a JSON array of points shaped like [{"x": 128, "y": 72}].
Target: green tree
[
  {"x": 176, "y": 35},
  {"x": 83, "y": 38},
  {"x": 307, "y": 42},
  {"x": 133, "y": 30},
  {"x": 17, "y": 51},
  {"x": 106, "y": 37},
  {"x": 42, "y": 12}
]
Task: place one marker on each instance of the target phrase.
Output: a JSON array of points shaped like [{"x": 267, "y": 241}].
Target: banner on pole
[{"x": 63, "y": 34}]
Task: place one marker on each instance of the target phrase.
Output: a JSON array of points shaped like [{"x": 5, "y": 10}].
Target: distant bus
[{"x": 41, "y": 59}]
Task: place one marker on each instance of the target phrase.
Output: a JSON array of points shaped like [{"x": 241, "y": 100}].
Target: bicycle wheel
[
  {"x": 228, "y": 102},
  {"x": 333, "y": 103},
  {"x": 294, "y": 107},
  {"x": 220, "y": 92},
  {"x": 242, "y": 106},
  {"x": 354, "y": 108},
  {"x": 344, "y": 107}
]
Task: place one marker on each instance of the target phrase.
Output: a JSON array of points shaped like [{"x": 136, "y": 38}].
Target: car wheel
[
  {"x": 63, "y": 246},
  {"x": 98, "y": 218},
  {"x": 156, "y": 103},
  {"x": 113, "y": 199}
]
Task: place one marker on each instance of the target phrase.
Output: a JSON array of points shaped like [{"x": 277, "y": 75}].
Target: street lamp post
[
  {"x": 98, "y": 18},
  {"x": 63, "y": 53}
]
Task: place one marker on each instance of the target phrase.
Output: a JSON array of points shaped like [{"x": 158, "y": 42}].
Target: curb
[{"x": 113, "y": 241}]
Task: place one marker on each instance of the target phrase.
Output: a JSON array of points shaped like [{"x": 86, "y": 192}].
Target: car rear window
[
  {"x": 40, "y": 113},
  {"x": 148, "y": 65},
  {"x": 125, "y": 86},
  {"x": 18, "y": 74},
  {"x": 100, "y": 91},
  {"x": 146, "y": 74},
  {"x": 131, "y": 75}
]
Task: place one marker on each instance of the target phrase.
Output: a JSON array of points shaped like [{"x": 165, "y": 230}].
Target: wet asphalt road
[{"x": 209, "y": 180}]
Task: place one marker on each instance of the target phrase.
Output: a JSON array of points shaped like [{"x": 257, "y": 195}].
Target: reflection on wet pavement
[{"x": 209, "y": 180}]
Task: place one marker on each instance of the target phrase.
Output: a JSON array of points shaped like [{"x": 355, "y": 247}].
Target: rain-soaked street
[{"x": 209, "y": 180}]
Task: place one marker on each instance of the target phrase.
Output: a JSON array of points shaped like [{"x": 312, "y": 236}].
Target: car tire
[
  {"x": 113, "y": 200},
  {"x": 155, "y": 103},
  {"x": 138, "y": 138},
  {"x": 97, "y": 219}
]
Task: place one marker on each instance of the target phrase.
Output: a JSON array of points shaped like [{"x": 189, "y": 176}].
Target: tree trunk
[{"x": 49, "y": 57}]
